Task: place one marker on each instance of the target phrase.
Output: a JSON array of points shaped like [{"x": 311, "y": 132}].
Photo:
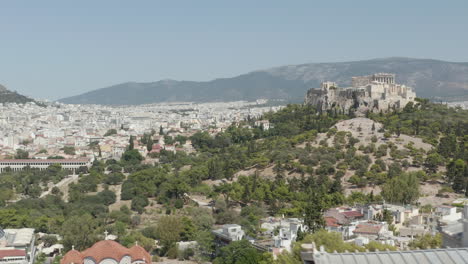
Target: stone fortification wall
[{"x": 377, "y": 92}]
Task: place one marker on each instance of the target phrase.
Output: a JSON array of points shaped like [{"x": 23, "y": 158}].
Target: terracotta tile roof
[
  {"x": 12, "y": 253},
  {"x": 106, "y": 249},
  {"x": 139, "y": 253},
  {"x": 349, "y": 214},
  {"x": 331, "y": 222},
  {"x": 156, "y": 146},
  {"x": 72, "y": 256},
  {"x": 368, "y": 229}
]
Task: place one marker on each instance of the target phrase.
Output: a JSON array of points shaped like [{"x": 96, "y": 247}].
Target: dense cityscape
[
  {"x": 233, "y": 132},
  {"x": 49, "y": 131}
]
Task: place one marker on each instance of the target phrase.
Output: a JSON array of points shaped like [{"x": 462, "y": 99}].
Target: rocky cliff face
[
  {"x": 380, "y": 93},
  {"x": 341, "y": 100}
]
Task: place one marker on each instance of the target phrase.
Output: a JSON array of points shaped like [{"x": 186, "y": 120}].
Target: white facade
[
  {"x": 18, "y": 164},
  {"x": 361, "y": 241},
  {"x": 233, "y": 231},
  {"x": 455, "y": 234},
  {"x": 287, "y": 231},
  {"x": 448, "y": 213}
]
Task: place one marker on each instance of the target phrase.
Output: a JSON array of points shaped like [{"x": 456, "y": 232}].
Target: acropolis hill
[{"x": 376, "y": 92}]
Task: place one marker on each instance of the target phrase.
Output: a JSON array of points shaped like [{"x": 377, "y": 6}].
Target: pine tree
[
  {"x": 336, "y": 185},
  {"x": 214, "y": 168},
  {"x": 371, "y": 196},
  {"x": 448, "y": 146},
  {"x": 416, "y": 125},
  {"x": 398, "y": 127},
  {"x": 456, "y": 172}
]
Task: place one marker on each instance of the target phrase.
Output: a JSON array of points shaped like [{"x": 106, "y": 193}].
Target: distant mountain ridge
[
  {"x": 430, "y": 78},
  {"x": 7, "y": 96}
]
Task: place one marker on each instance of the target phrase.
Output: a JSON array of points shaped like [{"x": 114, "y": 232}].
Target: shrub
[
  {"x": 114, "y": 178},
  {"x": 387, "y": 135},
  {"x": 179, "y": 203},
  {"x": 107, "y": 197},
  {"x": 139, "y": 203},
  {"x": 445, "y": 189},
  {"x": 155, "y": 258}
]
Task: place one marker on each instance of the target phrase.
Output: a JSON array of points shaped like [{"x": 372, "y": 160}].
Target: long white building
[{"x": 20, "y": 164}]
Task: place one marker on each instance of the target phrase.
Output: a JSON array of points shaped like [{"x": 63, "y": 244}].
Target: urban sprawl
[{"x": 90, "y": 140}]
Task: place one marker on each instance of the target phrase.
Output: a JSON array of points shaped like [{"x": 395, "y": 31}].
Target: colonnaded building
[
  {"x": 42, "y": 164},
  {"x": 376, "y": 92}
]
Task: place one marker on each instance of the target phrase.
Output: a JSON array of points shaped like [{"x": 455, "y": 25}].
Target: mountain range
[
  {"x": 7, "y": 96},
  {"x": 430, "y": 78}
]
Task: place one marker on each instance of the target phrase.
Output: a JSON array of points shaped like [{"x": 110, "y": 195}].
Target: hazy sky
[{"x": 53, "y": 49}]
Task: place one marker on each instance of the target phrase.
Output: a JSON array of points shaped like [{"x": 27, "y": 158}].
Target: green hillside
[
  {"x": 306, "y": 163},
  {"x": 7, "y": 96}
]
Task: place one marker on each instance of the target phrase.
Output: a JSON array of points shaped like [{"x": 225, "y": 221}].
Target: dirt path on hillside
[{"x": 62, "y": 185}]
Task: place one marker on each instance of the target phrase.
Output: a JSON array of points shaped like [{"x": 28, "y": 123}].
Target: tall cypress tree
[
  {"x": 315, "y": 207},
  {"x": 131, "y": 144},
  {"x": 313, "y": 218},
  {"x": 149, "y": 144}
]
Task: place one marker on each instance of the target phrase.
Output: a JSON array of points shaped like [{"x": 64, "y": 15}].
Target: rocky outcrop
[{"x": 377, "y": 92}]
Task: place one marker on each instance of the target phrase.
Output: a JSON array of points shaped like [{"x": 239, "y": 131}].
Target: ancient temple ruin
[{"x": 376, "y": 92}]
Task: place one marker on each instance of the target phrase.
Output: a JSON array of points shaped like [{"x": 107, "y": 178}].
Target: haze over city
[{"x": 55, "y": 49}]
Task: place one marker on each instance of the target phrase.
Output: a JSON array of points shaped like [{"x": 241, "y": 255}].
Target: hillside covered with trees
[
  {"x": 304, "y": 164},
  {"x": 7, "y": 96}
]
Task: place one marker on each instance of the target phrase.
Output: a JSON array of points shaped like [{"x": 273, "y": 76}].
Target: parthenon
[{"x": 376, "y": 92}]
